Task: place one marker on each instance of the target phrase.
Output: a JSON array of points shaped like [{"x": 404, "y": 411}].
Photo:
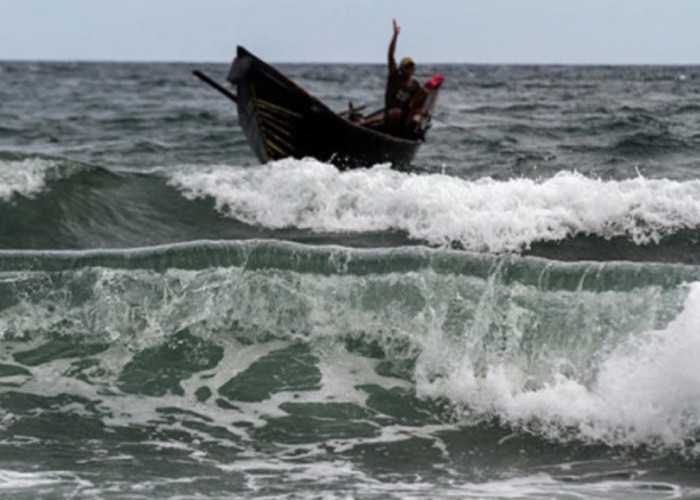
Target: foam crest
[
  {"x": 481, "y": 215},
  {"x": 23, "y": 177},
  {"x": 644, "y": 391}
]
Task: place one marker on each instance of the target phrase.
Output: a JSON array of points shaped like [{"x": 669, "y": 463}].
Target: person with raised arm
[{"x": 403, "y": 98}]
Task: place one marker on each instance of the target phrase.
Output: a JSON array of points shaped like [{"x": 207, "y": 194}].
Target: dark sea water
[{"x": 516, "y": 316}]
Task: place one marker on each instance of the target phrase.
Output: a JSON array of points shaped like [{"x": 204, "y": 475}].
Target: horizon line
[{"x": 349, "y": 63}]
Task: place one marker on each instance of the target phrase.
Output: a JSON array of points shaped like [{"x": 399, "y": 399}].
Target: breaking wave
[
  {"x": 481, "y": 215},
  {"x": 588, "y": 351}
]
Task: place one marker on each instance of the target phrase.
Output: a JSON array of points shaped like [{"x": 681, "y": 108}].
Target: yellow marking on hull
[
  {"x": 272, "y": 146},
  {"x": 272, "y": 121},
  {"x": 274, "y": 108},
  {"x": 281, "y": 142},
  {"x": 273, "y": 127},
  {"x": 275, "y": 121}
]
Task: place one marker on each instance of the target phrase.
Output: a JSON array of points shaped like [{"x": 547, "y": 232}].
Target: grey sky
[{"x": 477, "y": 31}]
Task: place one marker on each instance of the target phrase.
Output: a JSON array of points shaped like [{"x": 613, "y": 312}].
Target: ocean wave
[
  {"x": 641, "y": 391},
  {"x": 78, "y": 205},
  {"x": 74, "y": 205},
  {"x": 255, "y": 254},
  {"x": 26, "y": 175},
  {"x": 607, "y": 350},
  {"x": 481, "y": 215},
  {"x": 280, "y": 289},
  {"x": 646, "y": 143}
]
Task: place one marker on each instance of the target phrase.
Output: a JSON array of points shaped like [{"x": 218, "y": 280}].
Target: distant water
[{"x": 516, "y": 316}]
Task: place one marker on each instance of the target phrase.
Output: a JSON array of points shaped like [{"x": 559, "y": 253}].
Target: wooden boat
[{"x": 280, "y": 120}]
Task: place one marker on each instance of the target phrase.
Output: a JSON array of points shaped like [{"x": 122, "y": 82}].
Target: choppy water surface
[{"x": 516, "y": 316}]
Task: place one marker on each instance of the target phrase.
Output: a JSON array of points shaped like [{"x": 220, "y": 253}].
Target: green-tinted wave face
[
  {"x": 457, "y": 335},
  {"x": 283, "y": 290}
]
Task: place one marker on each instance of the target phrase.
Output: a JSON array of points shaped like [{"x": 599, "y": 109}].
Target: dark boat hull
[{"x": 280, "y": 120}]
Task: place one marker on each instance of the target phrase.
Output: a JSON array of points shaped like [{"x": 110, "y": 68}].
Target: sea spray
[
  {"x": 587, "y": 376},
  {"x": 25, "y": 177},
  {"x": 480, "y": 215}
]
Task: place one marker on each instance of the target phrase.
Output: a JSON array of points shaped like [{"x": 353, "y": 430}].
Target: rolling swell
[
  {"x": 55, "y": 203},
  {"x": 330, "y": 260}
]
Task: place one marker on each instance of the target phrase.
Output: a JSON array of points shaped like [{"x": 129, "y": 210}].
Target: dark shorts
[{"x": 404, "y": 114}]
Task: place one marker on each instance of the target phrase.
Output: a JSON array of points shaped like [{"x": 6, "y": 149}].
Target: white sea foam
[
  {"x": 481, "y": 215},
  {"x": 26, "y": 177},
  {"x": 13, "y": 480},
  {"x": 610, "y": 365},
  {"x": 645, "y": 391}
]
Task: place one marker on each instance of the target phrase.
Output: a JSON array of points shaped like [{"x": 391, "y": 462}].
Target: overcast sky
[{"x": 475, "y": 31}]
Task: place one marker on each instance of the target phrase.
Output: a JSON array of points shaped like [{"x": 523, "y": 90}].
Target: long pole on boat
[{"x": 210, "y": 81}]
